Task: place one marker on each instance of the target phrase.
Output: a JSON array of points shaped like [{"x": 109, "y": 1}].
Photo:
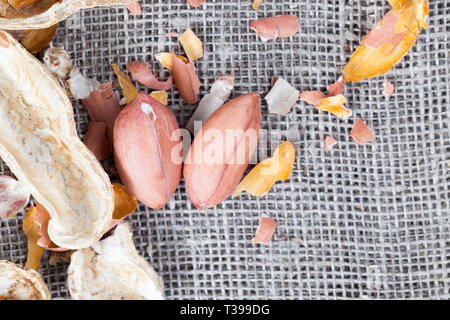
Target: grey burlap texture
[{"x": 362, "y": 221}]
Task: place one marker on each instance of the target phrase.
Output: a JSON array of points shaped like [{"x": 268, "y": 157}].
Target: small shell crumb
[
  {"x": 388, "y": 89},
  {"x": 336, "y": 88},
  {"x": 282, "y": 97},
  {"x": 329, "y": 143},
  {"x": 265, "y": 230},
  {"x": 361, "y": 132},
  {"x": 134, "y": 8},
  {"x": 256, "y": 4},
  {"x": 312, "y": 97}
]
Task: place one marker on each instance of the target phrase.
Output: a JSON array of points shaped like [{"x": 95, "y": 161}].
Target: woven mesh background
[{"x": 362, "y": 221}]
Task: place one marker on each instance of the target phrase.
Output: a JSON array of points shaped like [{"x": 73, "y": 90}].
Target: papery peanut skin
[
  {"x": 208, "y": 184},
  {"x": 186, "y": 79},
  {"x": 143, "y": 144}
]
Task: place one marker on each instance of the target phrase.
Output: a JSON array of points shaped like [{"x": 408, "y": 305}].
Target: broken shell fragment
[
  {"x": 39, "y": 143},
  {"x": 282, "y": 97},
  {"x": 219, "y": 93},
  {"x": 14, "y": 196},
  {"x": 128, "y": 89},
  {"x": 222, "y": 150},
  {"x": 186, "y": 79},
  {"x": 79, "y": 85},
  {"x": 134, "y": 8},
  {"x": 265, "y": 230},
  {"x": 361, "y": 132},
  {"x": 329, "y": 143},
  {"x": 144, "y": 75},
  {"x": 336, "y": 88},
  {"x": 388, "y": 89},
  {"x": 43, "y": 14},
  {"x": 279, "y": 26},
  {"x": 58, "y": 62},
  {"x": 387, "y": 43},
  {"x": 146, "y": 137},
  {"x": 113, "y": 270},
  {"x": 19, "y": 283},
  {"x": 335, "y": 105},
  {"x": 262, "y": 177},
  {"x": 195, "y": 3},
  {"x": 192, "y": 45}
]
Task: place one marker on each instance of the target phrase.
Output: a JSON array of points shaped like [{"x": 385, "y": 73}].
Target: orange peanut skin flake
[
  {"x": 261, "y": 179},
  {"x": 129, "y": 91},
  {"x": 31, "y": 230},
  {"x": 386, "y": 44},
  {"x": 335, "y": 105}
]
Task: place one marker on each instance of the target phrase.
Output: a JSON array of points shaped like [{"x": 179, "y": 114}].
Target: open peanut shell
[
  {"x": 19, "y": 283},
  {"x": 39, "y": 143},
  {"x": 45, "y": 13},
  {"x": 113, "y": 270}
]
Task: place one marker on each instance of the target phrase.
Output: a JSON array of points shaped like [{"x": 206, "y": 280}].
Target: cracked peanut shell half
[
  {"x": 41, "y": 14},
  {"x": 19, "y": 283},
  {"x": 113, "y": 270},
  {"x": 39, "y": 143}
]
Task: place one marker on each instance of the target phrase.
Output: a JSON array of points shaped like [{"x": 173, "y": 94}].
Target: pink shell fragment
[
  {"x": 388, "y": 89},
  {"x": 13, "y": 197},
  {"x": 329, "y": 143},
  {"x": 265, "y": 230},
  {"x": 312, "y": 97},
  {"x": 142, "y": 74},
  {"x": 195, "y": 3},
  {"x": 361, "y": 132},
  {"x": 97, "y": 141},
  {"x": 278, "y": 26},
  {"x": 103, "y": 106},
  {"x": 336, "y": 88},
  {"x": 134, "y": 8}
]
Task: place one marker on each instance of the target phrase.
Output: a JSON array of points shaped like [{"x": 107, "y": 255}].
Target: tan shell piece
[
  {"x": 45, "y": 13},
  {"x": 19, "y": 283},
  {"x": 113, "y": 270},
  {"x": 39, "y": 143}
]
